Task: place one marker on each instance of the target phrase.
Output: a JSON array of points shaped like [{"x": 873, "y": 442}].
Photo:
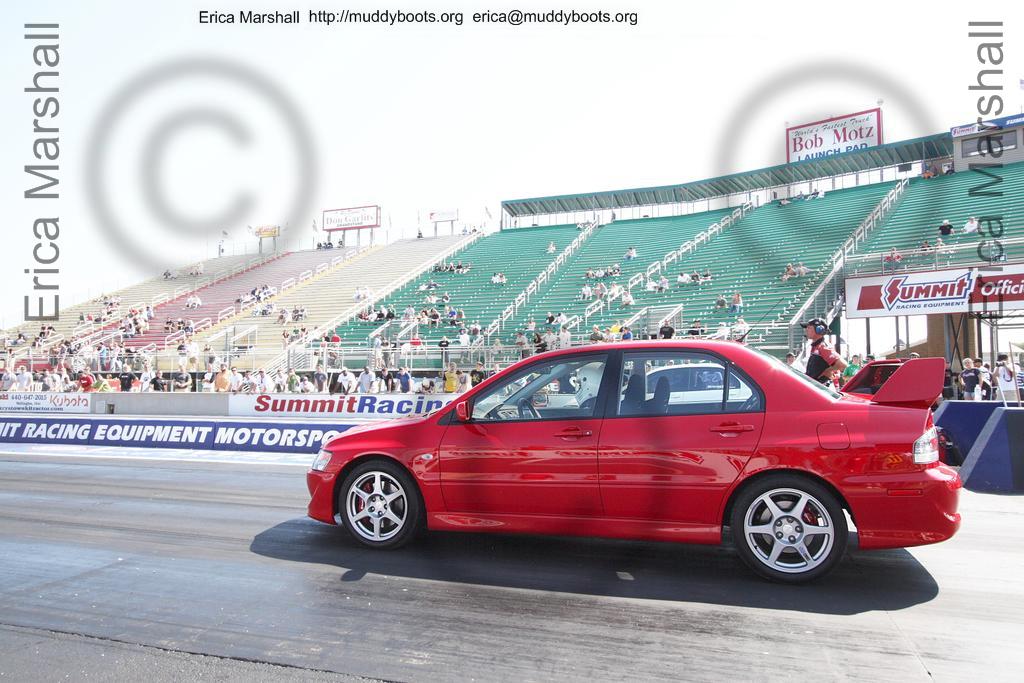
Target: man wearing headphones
[{"x": 823, "y": 363}]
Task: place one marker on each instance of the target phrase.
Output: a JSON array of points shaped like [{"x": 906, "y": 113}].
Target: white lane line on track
[{"x": 157, "y": 454}]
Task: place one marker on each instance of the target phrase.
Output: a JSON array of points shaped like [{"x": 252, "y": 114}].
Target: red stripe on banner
[
  {"x": 992, "y": 289},
  {"x": 870, "y": 298}
]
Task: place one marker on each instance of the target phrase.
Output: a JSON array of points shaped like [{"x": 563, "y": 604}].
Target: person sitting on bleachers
[
  {"x": 740, "y": 329},
  {"x": 589, "y": 275},
  {"x": 662, "y": 283},
  {"x": 892, "y": 259},
  {"x": 940, "y": 246},
  {"x": 720, "y": 302},
  {"x": 630, "y": 254},
  {"x": 627, "y": 299},
  {"x": 696, "y": 328},
  {"x": 706, "y": 275},
  {"x": 722, "y": 332},
  {"x": 683, "y": 279},
  {"x": 552, "y": 248},
  {"x": 789, "y": 272},
  {"x": 971, "y": 225},
  {"x": 430, "y": 299},
  {"x": 946, "y": 229},
  {"x": 736, "y": 307},
  {"x": 615, "y": 270},
  {"x": 586, "y": 292},
  {"x": 650, "y": 285},
  {"x": 926, "y": 246},
  {"x": 801, "y": 269},
  {"x": 600, "y": 290},
  {"x": 784, "y": 202}
]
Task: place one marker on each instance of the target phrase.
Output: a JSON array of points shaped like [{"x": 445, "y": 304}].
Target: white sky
[{"x": 420, "y": 117}]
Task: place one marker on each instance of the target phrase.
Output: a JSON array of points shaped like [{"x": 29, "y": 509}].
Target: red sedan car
[{"x": 663, "y": 441}]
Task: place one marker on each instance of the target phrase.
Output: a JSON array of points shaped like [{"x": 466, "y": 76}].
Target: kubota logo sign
[{"x": 958, "y": 290}]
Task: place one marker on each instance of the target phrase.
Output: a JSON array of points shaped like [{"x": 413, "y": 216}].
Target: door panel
[{"x": 677, "y": 435}]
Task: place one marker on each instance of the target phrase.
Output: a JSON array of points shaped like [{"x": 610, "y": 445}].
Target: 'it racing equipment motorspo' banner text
[
  {"x": 213, "y": 435},
  {"x": 364, "y": 406},
  {"x": 834, "y": 136},
  {"x": 954, "y": 290}
]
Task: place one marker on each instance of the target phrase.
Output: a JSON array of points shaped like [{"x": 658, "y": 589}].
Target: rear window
[{"x": 818, "y": 386}]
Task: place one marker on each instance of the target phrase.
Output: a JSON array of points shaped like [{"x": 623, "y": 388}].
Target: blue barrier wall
[
  {"x": 995, "y": 464},
  {"x": 964, "y": 420},
  {"x": 216, "y": 435}
]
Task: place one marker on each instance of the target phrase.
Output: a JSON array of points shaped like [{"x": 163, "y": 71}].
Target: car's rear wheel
[
  {"x": 789, "y": 528},
  {"x": 380, "y": 505}
]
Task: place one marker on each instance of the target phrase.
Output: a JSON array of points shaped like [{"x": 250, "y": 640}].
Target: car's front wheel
[
  {"x": 789, "y": 528},
  {"x": 379, "y": 504}
]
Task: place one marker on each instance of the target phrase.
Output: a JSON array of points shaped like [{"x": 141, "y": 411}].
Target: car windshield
[{"x": 803, "y": 378}]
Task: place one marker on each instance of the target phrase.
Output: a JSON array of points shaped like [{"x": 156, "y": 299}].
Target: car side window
[
  {"x": 560, "y": 388},
  {"x": 682, "y": 383}
]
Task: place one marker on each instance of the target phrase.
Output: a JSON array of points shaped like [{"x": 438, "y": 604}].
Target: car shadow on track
[{"x": 863, "y": 582}]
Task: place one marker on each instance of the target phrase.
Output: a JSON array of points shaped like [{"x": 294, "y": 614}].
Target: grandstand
[
  {"x": 927, "y": 202},
  {"x": 518, "y": 254},
  {"x": 330, "y": 292}
]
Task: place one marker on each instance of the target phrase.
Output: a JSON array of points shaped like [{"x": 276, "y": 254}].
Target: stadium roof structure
[{"x": 919, "y": 149}]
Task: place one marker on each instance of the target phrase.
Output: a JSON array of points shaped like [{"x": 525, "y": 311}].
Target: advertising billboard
[
  {"x": 836, "y": 135},
  {"x": 953, "y": 290},
  {"x": 352, "y": 218}
]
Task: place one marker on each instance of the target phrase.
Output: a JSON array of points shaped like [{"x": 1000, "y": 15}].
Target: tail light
[{"x": 926, "y": 448}]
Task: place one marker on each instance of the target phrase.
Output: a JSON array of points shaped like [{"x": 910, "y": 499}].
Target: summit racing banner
[
  {"x": 367, "y": 406},
  {"x": 214, "y": 435},
  {"x": 27, "y": 402},
  {"x": 954, "y": 290}
]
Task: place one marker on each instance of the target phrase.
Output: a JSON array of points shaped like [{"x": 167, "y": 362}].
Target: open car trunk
[{"x": 914, "y": 383}]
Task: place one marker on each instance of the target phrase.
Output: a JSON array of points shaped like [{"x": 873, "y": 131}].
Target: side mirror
[{"x": 462, "y": 411}]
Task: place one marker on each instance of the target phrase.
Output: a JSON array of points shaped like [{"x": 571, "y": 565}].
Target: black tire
[
  {"x": 820, "y": 551},
  {"x": 358, "y": 513}
]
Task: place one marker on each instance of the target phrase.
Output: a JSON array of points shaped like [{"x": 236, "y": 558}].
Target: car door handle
[
  {"x": 573, "y": 433},
  {"x": 733, "y": 428}
]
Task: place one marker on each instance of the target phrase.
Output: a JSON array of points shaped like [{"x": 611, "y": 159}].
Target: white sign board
[
  {"x": 351, "y": 219},
  {"x": 366, "y": 406},
  {"x": 28, "y": 402},
  {"x": 444, "y": 215},
  {"x": 836, "y": 135},
  {"x": 953, "y": 290}
]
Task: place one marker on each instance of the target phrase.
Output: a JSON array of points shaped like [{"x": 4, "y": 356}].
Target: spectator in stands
[
  {"x": 946, "y": 228},
  {"x": 790, "y": 359},
  {"x": 404, "y": 380},
  {"x": 596, "y": 335},
  {"x": 443, "y": 345},
  {"x": 970, "y": 379},
  {"x": 549, "y": 340},
  {"x": 600, "y": 290},
  {"x": 985, "y": 386},
  {"x": 926, "y": 246},
  {"x": 627, "y": 299},
  {"x": 365, "y": 381},
  {"x": 552, "y": 248},
  {"x": 305, "y": 386},
  {"x": 696, "y": 328},
  {"x": 630, "y": 254},
  {"x": 971, "y": 225},
  {"x": 222, "y": 380},
  {"x": 1006, "y": 378},
  {"x": 706, "y": 275},
  {"x": 666, "y": 331},
  {"x": 663, "y": 284},
  {"x": 651, "y": 285},
  {"x": 463, "y": 337},
  {"x": 426, "y": 387},
  {"x": 736, "y": 307},
  {"x": 451, "y": 378},
  {"x": 320, "y": 378},
  {"x": 801, "y": 269},
  {"x": 892, "y": 259},
  {"x": 157, "y": 383},
  {"x": 463, "y": 382},
  {"x": 522, "y": 344},
  {"x": 720, "y": 302},
  {"x": 683, "y": 279},
  {"x": 784, "y": 202},
  {"x": 790, "y": 272},
  {"x": 126, "y": 379},
  {"x": 852, "y": 368},
  {"x": 722, "y": 332},
  {"x": 564, "y": 338},
  {"x": 740, "y": 329},
  {"x": 182, "y": 381}
]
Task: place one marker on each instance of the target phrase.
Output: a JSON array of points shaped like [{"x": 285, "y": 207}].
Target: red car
[{"x": 663, "y": 441}]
